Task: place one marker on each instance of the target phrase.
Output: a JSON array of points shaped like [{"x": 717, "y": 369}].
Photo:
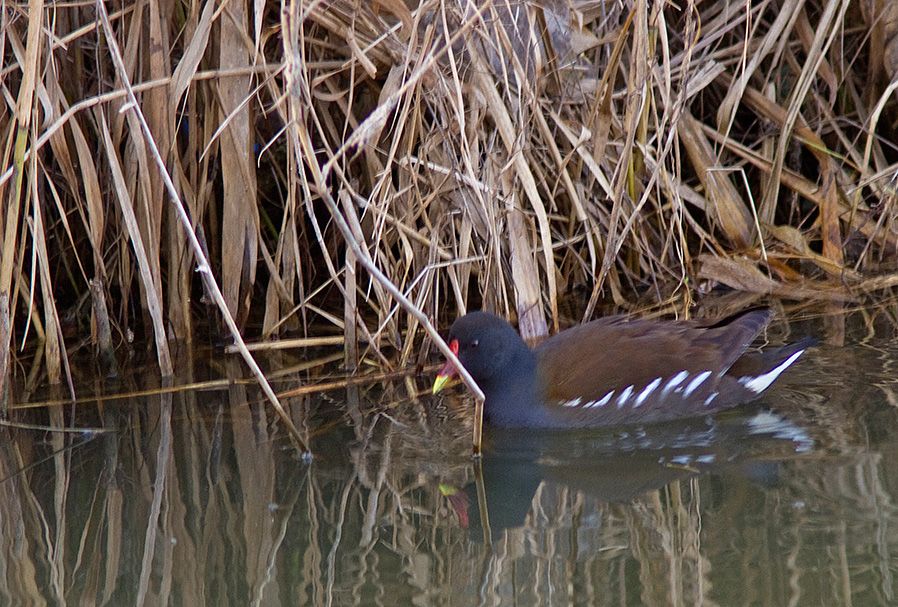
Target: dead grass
[{"x": 503, "y": 154}]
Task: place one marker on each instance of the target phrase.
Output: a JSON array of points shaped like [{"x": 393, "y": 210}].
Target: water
[{"x": 198, "y": 497}]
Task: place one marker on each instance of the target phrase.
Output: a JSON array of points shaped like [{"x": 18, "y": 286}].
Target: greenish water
[{"x": 198, "y": 498}]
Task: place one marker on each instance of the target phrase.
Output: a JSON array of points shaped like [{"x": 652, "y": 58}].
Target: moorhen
[{"x": 614, "y": 370}]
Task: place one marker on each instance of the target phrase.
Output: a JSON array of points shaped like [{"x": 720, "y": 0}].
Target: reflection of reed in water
[{"x": 198, "y": 498}]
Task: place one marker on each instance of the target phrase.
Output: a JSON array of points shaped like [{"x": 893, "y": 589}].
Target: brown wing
[{"x": 625, "y": 353}]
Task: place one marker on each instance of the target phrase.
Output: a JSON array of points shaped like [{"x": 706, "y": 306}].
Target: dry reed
[{"x": 373, "y": 167}]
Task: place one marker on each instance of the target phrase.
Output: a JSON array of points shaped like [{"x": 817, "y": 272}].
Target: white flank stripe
[
  {"x": 646, "y": 391},
  {"x": 710, "y": 398},
  {"x": 603, "y": 401},
  {"x": 762, "y": 382},
  {"x": 624, "y": 396},
  {"x": 695, "y": 383},
  {"x": 572, "y": 403},
  {"x": 675, "y": 381}
]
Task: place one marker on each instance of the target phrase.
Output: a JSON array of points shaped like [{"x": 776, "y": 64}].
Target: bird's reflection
[{"x": 619, "y": 465}]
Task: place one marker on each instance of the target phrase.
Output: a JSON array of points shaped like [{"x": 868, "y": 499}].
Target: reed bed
[{"x": 360, "y": 169}]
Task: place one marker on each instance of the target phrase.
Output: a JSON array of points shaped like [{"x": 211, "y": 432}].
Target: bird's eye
[{"x": 475, "y": 343}]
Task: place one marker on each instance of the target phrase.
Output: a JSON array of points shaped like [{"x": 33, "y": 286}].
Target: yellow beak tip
[
  {"x": 448, "y": 490},
  {"x": 440, "y": 383}
]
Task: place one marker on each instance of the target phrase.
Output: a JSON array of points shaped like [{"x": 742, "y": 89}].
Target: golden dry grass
[{"x": 504, "y": 154}]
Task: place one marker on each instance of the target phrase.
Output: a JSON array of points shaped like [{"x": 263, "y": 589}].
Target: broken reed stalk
[
  {"x": 210, "y": 385},
  {"x": 353, "y": 380},
  {"x": 203, "y": 266},
  {"x": 289, "y": 344}
]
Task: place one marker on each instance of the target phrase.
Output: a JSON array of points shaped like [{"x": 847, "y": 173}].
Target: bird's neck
[{"x": 512, "y": 397}]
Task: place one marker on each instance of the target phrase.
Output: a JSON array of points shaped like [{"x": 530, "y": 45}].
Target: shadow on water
[{"x": 192, "y": 498}]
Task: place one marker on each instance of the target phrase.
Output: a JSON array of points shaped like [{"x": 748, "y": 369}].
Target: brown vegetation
[{"x": 501, "y": 153}]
